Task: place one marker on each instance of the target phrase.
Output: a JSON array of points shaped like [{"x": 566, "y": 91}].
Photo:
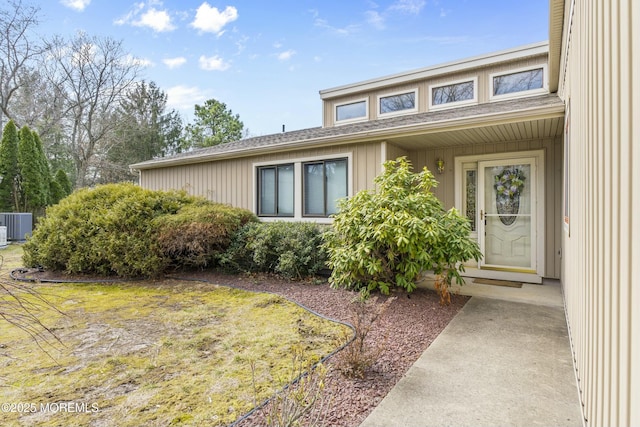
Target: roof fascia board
[
  {"x": 480, "y": 120},
  {"x": 446, "y": 68},
  {"x": 556, "y": 30}
]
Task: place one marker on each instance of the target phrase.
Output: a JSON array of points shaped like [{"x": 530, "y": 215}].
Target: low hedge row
[
  {"x": 290, "y": 249},
  {"x": 124, "y": 230}
]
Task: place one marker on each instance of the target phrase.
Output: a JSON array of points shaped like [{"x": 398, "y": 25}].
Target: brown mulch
[{"x": 406, "y": 329}]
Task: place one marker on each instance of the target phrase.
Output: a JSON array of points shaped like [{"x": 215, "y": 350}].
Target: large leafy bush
[
  {"x": 290, "y": 249},
  {"x": 117, "y": 229},
  {"x": 389, "y": 237}
]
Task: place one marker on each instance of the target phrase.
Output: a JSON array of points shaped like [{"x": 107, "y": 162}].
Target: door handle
[{"x": 481, "y": 215}]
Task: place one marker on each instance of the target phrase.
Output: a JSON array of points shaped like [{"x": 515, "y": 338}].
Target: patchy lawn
[{"x": 154, "y": 353}]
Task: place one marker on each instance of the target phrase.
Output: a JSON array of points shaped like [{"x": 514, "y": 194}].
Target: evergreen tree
[
  {"x": 60, "y": 187},
  {"x": 144, "y": 130},
  {"x": 8, "y": 167},
  {"x": 31, "y": 183},
  {"x": 214, "y": 124},
  {"x": 43, "y": 169}
]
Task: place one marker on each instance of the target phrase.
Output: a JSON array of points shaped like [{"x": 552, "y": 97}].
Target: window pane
[
  {"x": 517, "y": 82},
  {"x": 314, "y": 189},
  {"x": 285, "y": 190},
  {"x": 336, "y": 171},
  {"x": 452, "y": 93},
  {"x": 470, "y": 198},
  {"x": 405, "y": 101},
  {"x": 351, "y": 111},
  {"x": 267, "y": 202}
]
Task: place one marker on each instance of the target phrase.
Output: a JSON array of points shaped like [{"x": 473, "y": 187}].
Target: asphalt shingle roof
[{"x": 313, "y": 135}]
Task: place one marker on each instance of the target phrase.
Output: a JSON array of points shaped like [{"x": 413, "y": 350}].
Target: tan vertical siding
[
  {"x": 601, "y": 267},
  {"x": 393, "y": 152},
  {"x": 231, "y": 181},
  {"x": 482, "y": 74}
]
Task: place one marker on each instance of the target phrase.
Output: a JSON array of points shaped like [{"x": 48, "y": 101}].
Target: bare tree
[
  {"x": 91, "y": 75},
  {"x": 18, "y": 50},
  {"x": 22, "y": 306}
]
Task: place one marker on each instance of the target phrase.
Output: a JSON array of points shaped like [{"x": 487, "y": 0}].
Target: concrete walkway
[{"x": 500, "y": 362}]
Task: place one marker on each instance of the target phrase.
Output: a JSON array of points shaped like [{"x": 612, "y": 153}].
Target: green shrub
[
  {"x": 386, "y": 238},
  {"x": 104, "y": 230},
  {"x": 125, "y": 230},
  {"x": 199, "y": 233},
  {"x": 291, "y": 249}
]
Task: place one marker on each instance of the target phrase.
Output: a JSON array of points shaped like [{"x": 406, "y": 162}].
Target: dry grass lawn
[{"x": 154, "y": 353}]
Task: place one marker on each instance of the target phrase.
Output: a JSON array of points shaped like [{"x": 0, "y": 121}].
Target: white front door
[{"x": 507, "y": 194}]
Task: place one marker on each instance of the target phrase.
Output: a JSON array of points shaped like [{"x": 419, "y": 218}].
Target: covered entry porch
[{"x": 499, "y": 164}]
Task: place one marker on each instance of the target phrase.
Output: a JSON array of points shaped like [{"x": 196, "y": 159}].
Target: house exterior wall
[
  {"x": 600, "y": 84},
  {"x": 482, "y": 75},
  {"x": 552, "y": 147},
  {"x": 232, "y": 181},
  {"x": 393, "y": 152}
]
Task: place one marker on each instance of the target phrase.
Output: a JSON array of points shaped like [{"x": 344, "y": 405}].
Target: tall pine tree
[
  {"x": 43, "y": 169},
  {"x": 60, "y": 187},
  {"x": 32, "y": 183},
  {"x": 8, "y": 167}
]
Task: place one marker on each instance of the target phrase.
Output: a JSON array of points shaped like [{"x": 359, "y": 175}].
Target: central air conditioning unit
[{"x": 19, "y": 225}]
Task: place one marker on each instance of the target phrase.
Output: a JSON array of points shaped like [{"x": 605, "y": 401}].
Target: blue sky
[{"x": 268, "y": 60}]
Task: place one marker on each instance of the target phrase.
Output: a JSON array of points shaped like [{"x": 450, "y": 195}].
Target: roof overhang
[
  {"x": 521, "y": 125},
  {"x": 479, "y": 124}
]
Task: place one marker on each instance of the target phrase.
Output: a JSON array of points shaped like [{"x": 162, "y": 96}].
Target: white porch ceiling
[{"x": 509, "y": 132}]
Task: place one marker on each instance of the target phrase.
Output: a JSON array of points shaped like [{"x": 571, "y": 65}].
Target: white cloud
[
  {"x": 184, "y": 98},
  {"x": 158, "y": 20},
  {"x": 78, "y": 5},
  {"x": 345, "y": 31},
  {"x": 146, "y": 15},
  {"x": 210, "y": 20},
  {"x": 408, "y": 6},
  {"x": 126, "y": 19},
  {"x": 213, "y": 63},
  {"x": 174, "y": 62},
  {"x": 140, "y": 62},
  {"x": 286, "y": 55},
  {"x": 375, "y": 19}
]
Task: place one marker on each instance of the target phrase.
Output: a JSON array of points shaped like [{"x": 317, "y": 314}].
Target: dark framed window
[
  {"x": 518, "y": 82},
  {"x": 275, "y": 190},
  {"x": 324, "y": 183}
]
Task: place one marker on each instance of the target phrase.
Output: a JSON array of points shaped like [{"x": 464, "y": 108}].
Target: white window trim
[
  {"x": 447, "y": 105},
  {"x": 399, "y": 112},
  {"x": 522, "y": 94},
  {"x": 354, "y": 120},
  {"x": 297, "y": 185}
]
